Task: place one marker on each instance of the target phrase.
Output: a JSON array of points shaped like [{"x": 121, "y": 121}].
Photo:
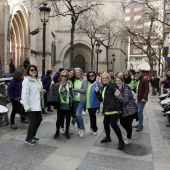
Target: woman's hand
[{"x": 117, "y": 93}]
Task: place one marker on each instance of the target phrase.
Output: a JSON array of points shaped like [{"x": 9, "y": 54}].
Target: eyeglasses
[
  {"x": 33, "y": 70},
  {"x": 91, "y": 75},
  {"x": 63, "y": 75},
  {"x": 136, "y": 72}
]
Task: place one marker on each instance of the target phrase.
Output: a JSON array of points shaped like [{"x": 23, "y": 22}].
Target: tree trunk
[
  {"x": 107, "y": 57},
  {"x": 72, "y": 44},
  {"x": 92, "y": 53}
]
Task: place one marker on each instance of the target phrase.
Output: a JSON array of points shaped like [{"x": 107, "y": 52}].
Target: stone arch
[{"x": 19, "y": 37}]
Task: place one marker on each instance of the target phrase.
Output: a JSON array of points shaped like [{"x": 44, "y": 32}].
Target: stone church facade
[{"x": 18, "y": 19}]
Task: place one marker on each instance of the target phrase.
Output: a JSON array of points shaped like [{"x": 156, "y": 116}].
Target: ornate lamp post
[
  {"x": 44, "y": 16},
  {"x": 97, "y": 51},
  {"x": 113, "y": 60}
]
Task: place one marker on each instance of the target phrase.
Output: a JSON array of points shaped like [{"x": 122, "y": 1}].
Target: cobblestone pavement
[{"x": 150, "y": 148}]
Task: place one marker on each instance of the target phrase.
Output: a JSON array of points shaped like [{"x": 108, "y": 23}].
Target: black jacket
[{"x": 110, "y": 102}]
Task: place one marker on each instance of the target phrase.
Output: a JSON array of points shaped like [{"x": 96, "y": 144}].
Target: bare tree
[{"x": 73, "y": 9}]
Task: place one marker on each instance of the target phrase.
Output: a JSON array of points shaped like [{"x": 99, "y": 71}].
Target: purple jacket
[
  {"x": 56, "y": 77},
  {"x": 14, "y": 89},
  {"x": 166, "y": 85},
  {"x": 46, "y": 80}
]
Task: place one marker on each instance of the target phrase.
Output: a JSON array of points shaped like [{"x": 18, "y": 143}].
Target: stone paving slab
[
  {"x": 15, "y": 154},
  {"x": 93, "y": 161}
]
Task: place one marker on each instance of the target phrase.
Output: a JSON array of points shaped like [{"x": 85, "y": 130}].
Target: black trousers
[
  {"x": 15, "y": 106},
  {"x": 126, "y": 122},
  {"x": 61, "y": 115},
  {"x": 93, "y": 124},
  {"x": 35, "y": 119},
  {"x": 112, "y": 120}
]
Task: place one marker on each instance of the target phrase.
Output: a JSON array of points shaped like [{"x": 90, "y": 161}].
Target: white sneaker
[
  {"x": 70, "y": 131},
  {"x": 62, "y": 131},
  {"x": 94, "y": 133},
  {"x": 127, "y": 141},
  {"x": 82, "y": 133},
  {"x": 91, "y": 131},
  {"x": 125, "y": 137},
  {"x": 79, "y": 132},
  {"x": 83, "y": 112}
]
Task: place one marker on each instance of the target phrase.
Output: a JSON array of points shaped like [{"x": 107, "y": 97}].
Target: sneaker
[
  {"x": 56, "y": 135},
  {"x": 105, "y": 140},
  {"x": 79, "y": 132},
  {"x": 36, "y": 139},
  {"x": 139, "y": 128},
  {"x": 67, "y": 135},
  {"x": 136, "y": 126},
  {"x": 125, "y": 137},
  {"x": 25, "y": 121},
  {"x": 121, "y": 145},
  {"x": 83, "y": 112},
  {"x": 127, "y": 141},
  {"x": 13, "y": 126},
  {"x": 31, "y": 142},
  {"x": 91, "y": 131},
  {"x": 82, "y": 133},
  {"x": 62, "y": 131},
  {"x": 94, "y": 133},
  {"x": 70, "y": 131}
]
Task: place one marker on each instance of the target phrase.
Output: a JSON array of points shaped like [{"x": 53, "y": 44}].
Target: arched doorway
[
  {"x": 79, "y": 61},
  {"x": 19, "y": 42}
]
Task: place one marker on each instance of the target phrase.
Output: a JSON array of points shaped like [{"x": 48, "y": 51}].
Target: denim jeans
[
  {"x": 78, "y": 106},
  {"x": 141, "y": 106}
]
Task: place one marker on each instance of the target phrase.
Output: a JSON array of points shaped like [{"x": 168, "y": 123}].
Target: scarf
[
  {"x": 64, "y": 92},
  {"x": 127, "y": 80}
]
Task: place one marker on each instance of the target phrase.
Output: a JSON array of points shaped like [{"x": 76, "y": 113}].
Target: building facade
[{"x": 20, "y": 18}]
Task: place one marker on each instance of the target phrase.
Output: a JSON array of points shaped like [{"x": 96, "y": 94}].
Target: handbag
[
  {"x": 65, "y": 106},
  {"x": 53, "y": 96}
]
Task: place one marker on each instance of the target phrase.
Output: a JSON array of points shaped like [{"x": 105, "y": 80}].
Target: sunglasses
[
  {"x": 33, "y": 70},
  {"x": 136, "y": 72},
  {"x": 91, "y": 75},
  {"x": 63, "y": 75}
]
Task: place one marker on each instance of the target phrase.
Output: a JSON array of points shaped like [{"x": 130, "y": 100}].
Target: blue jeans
[
  {"x": 141, "y": 106},
  {"x": 78, "y": 106}
]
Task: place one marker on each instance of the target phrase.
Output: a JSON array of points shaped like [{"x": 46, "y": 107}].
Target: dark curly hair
[
  {"x": 18, "y": 75},
  {"x": 89, "y": 73}
]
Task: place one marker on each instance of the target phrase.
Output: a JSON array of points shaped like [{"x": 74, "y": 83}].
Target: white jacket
[{"x": 32, "y": 98}]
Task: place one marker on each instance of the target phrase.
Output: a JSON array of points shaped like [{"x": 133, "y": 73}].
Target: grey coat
[{"x": 129, "y": 105}]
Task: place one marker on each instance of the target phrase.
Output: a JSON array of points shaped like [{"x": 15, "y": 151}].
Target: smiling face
[
  {"x": 105, "y": 78},
  {"x": 126, "y": 74},
  {"x": 78, "y": 73},
  {"x": 33, "y": 72},
  {"x": 71, "y": 74},
  {"x": 118, "y": 82},
  {"x": 64, "y": 76}
]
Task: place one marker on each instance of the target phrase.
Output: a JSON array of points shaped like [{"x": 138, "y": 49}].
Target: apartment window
[
  {"x": 127, "y": 18},
  {"x": 138, "y": 58},
  {"x": 136, "y": 51},
  {"x": 127, "y": 10},
  {"x": 137, "y": 17}
]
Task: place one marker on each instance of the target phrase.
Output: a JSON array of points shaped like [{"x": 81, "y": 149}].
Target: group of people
[{"x": 123, "y": 95}]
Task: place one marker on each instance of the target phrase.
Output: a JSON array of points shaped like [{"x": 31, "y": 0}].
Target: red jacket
[{"x": 143, "y": 88}]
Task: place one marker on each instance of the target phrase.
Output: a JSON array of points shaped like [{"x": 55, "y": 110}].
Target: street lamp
[
  {"x": 44, "y": 16},
  {"x": 97, "y": 51},
  {"x": 113, "y": 60}
]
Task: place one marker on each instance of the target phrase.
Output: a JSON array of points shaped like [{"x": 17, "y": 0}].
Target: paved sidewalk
[{"x": 149, "y": 150}]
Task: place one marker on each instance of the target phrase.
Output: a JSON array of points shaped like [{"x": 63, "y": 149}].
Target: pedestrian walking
[
  {"x": 26, "y": 63},
  {"x": 112, "y": 108},
  {"x": 33, "y": 101},
  {"x": 142, "y": 96},
  {"x": 14, "y": 92},
  {"x": 56, "y": 77},
  {"x": 12, "y": 66}
]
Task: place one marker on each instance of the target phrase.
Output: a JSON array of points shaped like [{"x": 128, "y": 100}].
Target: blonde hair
[
  {"x": 105, "y": 74},
  {"x": 119, "y": 77},
  {"x": 79, "y": 69},
  {"x": 64, "y": 71}
]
